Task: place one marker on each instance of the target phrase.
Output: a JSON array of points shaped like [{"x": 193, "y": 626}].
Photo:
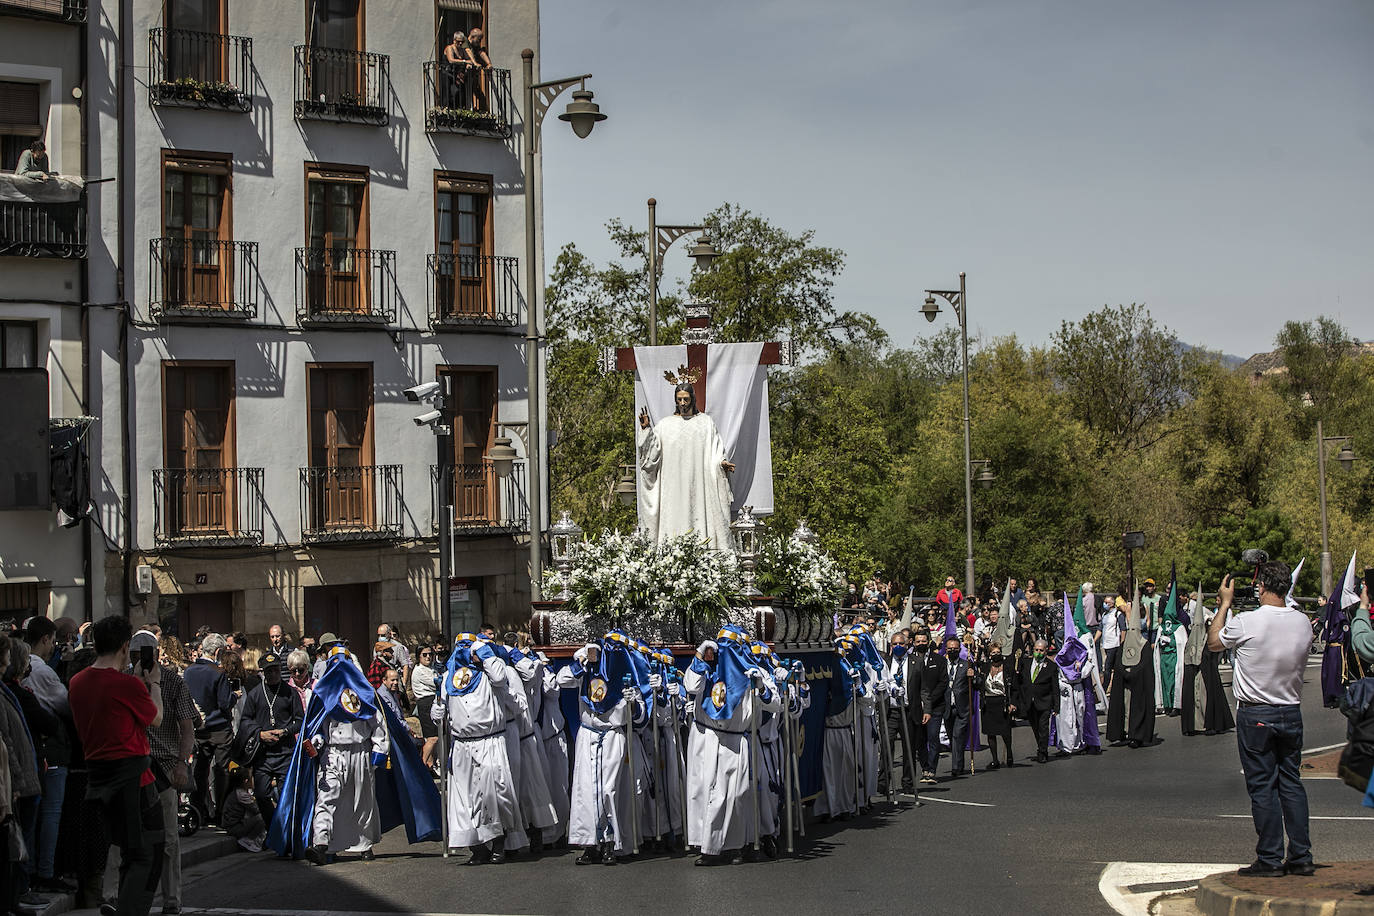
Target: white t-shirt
[
  {"x": 1270, "y": 647},
  {"x": 1111, "y": 628}
]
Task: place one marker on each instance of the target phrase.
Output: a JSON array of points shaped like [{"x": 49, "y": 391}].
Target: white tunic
[
  {"x": 345, "y": 818},
  {"x": 553, "y": 731},
  {"x": 682, "y": 486},
  {"x": 838, "y": 794},
  {"x": 603, "y": 803},
  {"x": 481, "y": 793},
  {"x": 659, "y": 791},
  {"x": 720, "y": 813},
  {"x": 531, "y": 779}
]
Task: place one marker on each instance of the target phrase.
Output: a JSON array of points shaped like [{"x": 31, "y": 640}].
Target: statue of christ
[{"x": 682, "y": 481}]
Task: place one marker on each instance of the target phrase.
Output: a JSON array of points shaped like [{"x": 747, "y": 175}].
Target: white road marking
[
  {"x": 235, "y": 911},
  {"x": 955, "y": 801},
  {"x": 1312, "y": 817},
  {"x": 1318, "y": 750},
  {"x": 1118, "y": 879}
]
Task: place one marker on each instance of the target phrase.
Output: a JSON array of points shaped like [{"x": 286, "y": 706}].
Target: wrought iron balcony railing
[
  {"x": 483, "y": 503},
  {"x": 200, "y": 69},
  {"x": 345, "y": 286},
  {"x": 207, "y": 507},
  {"x": 335, "y": 84},
  {"x": 203, "y": 279},
  {"x": 470, "y": 289},
  {"x": 463, "y": 100},
  {"x": 62, "y": 10},
  {"x": 33, "y": 229},
  {"x": 351, "y": 503}
]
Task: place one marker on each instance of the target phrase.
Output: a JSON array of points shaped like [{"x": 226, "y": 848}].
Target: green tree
[{"x": 1122, "y": 374}]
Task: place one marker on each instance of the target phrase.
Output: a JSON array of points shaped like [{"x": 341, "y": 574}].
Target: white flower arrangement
[
  {"x": 623, "y": 577},
  {"x": 801, "y": 573}
]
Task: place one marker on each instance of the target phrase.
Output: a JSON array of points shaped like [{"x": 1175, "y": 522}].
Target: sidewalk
[
  {"x": 1340, "y": 888},
  {"x": 205, "y": 846}
]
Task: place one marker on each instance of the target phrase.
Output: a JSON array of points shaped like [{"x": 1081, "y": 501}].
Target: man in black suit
[
  {"x": 958, "y": 680},
  {"x": 934, "y": 691},
  {"x": 1040, "y": 695}
]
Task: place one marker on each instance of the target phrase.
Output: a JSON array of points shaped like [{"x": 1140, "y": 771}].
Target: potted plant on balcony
[
  {"x": 463, "y": 119},
  {"x": 192, "y": 91}
]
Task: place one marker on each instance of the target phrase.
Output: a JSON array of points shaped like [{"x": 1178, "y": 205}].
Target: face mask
[
  {"x": 922, "y": 647},
  {"x": 1039, "y": 654},
  {"x": 898, "y": 651}
]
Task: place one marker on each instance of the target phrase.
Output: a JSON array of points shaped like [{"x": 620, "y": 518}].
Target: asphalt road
[{"x": 1033, "y": 839}]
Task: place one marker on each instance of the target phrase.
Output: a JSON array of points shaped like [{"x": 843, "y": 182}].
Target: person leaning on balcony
[
  {"x": 457, "y": 63},
  {"x": 34, "y": 162}
]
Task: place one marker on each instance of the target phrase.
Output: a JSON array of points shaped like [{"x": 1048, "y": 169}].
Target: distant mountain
[{"x": 1227, "y": 360}]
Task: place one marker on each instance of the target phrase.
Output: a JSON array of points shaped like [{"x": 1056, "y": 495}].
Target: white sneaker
[{"x": 250, "y": 844}]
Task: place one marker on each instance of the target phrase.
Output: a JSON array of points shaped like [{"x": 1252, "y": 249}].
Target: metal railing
[
  {"x": 462, "y": 100},
  {"x": 351, "y": 503},
  {"x": 483, "y": 502},
  {"x": 466, "y": 289},
  {"x": 200, "y": 69},
  {"x": 202, "y": 278},
  {"x": 65, "y": 10},
  {"x": 335, "y": 84},
  {"x": 43, "y": 230},
  {"x": 207, "y": 506},
  {"x": 345, "y": 286}
]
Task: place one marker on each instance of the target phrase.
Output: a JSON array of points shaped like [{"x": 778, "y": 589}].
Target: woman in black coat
[{"x": 995, "y": 686}]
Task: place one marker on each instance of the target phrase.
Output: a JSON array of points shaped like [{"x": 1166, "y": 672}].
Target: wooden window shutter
[
  {"x": 19, "y": 109},
  {"x": 464, "y": 185}
]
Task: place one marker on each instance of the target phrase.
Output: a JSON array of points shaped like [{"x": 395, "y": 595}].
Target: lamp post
[
  {"x": 659, "y": 240},
  {"x": 1346, "y": 456},
  {"x": 582, "y": 114},
  {"x": 930, "y": 309}
]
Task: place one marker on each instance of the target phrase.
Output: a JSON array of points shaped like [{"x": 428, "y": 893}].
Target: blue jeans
[
  {"x": 49, "y": 817},
  {"x": 1270, "y": 742}
]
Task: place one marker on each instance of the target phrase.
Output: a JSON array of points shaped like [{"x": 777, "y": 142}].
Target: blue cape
[
  {"x": 405, "y": 789},
  {"x": 618, "y": 660},
  {"x": 731, "y": 670}
]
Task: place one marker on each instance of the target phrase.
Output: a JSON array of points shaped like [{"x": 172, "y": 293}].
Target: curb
[
  {"x": 194, "y": 851},
  {"x": 1215, "y": 897}
]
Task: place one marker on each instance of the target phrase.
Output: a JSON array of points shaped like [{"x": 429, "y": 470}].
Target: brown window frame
[
  {"x": 442, "y": 36},
  {"x": 188, "y": 275},
  {"x": 333, "y": 489},
  {"x": 336, "y": 274},
  {"x": 476, "y": 493},
  {"x": 468, "y": 289},
  {"x": 182, "y": 40},
  {"x": 191, "y": 498}
]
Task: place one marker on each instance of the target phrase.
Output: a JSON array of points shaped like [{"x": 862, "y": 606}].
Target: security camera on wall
[{"x": 423, "y": 392}]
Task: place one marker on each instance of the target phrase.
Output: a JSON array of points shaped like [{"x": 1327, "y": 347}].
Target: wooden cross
[{"x": 698, "y": 335}]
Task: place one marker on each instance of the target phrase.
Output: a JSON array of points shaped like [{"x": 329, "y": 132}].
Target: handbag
[{"x": 18, "y": 851}]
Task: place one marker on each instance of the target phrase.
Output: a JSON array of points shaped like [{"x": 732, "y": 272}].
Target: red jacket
[{"x": 944, "y": 595}]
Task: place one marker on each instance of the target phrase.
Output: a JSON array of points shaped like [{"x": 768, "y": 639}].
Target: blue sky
[{"x": 1212, "y": 160}]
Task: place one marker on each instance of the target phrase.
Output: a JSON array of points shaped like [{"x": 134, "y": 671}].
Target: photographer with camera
[{"x": 1270, "y": 646}]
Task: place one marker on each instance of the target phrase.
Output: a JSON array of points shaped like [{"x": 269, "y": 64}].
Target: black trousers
[
  {"x": 956, "y": 728},
  {"x": 133, "y": 815},
  {"x": 937, "y": 715},
  {"x": 268, "y": 774},
  {"x": 895, "y": 737},
  {"x": 211, "y": 768},
  {"x": 1040, "y": 725}
]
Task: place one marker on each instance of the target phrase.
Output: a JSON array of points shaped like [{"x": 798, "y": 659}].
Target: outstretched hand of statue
[{"x": 644, "y": 418}]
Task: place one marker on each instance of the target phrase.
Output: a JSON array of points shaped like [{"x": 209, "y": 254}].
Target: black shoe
[
  {"x": 318, "y": 855},
  {"x": 1303, "y": 869},
  {"x": 993, "y": 766},
  {"x": 608, "y": 856},
  {"x": 749, "y": 853},
  {"x": 956, "y": 774},
  {"x": 1133, "y": 744},
  {"x": 1210, "y": 733},
  {"x": 1042, "y": 758},
  {"x": 481, "y": 855},
  {"x": 536, "y": 841},
  {"x": 723, "y": 858},
  {"x": 1094, "y": 750},
  {"x": 1010, "y": 763},
  {"x": 769, "y": 846},
  {"x": 53, "y": 885},
  {"x": 367, "y": 855},
  {"x": 1260, "y": 870},
  {"x": 590, "y": 856},
  {"x": 108, "y": 909}
]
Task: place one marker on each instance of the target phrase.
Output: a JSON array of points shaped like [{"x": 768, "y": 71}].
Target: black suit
[
  {"x": 934, "y": 688},
  {"x": 1039, "y": 699},
  {"x": 945, "y": 695}
]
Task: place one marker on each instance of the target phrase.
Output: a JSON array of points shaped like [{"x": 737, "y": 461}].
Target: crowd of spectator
[{"x": 113, "y": 738}]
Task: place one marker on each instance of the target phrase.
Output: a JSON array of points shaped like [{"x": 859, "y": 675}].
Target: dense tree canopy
[{"x": 1116, "y": 426}]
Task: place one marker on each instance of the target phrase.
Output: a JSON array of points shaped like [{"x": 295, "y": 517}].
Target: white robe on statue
[
  {"x": 720, "y": 814},
  {"x": 481, "y": 793},
  {"x": 682, "y": 486}
]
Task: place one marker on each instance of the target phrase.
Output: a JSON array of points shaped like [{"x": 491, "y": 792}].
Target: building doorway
[{"x": 344, "y": 611}]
